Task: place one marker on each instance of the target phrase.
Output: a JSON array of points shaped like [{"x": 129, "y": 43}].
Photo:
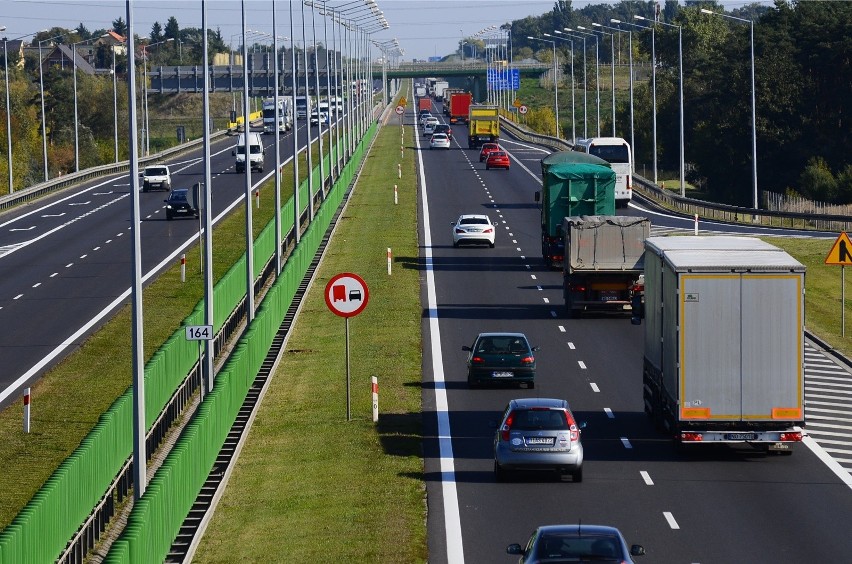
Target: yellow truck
[{"x": 483, "y": 125}]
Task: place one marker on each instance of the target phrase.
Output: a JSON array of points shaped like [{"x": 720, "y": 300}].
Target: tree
[
  {"x": 83, "y": 32},
  {"x": 156, "y": 32},
  {"x": 172, "y": 30},
  {"x": 120, "y": 27},
  {"x": 817, "y": 182}
]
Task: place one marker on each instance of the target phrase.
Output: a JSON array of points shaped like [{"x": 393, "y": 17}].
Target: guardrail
[
  {"x": 690, "y": 207},
  {"x": 66, "y": 180}
]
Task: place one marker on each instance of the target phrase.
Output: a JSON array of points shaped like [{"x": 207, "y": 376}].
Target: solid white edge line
[
  {"x": 452, "y": 519},
  {"x": 826, "y": 458},
  {"x": 14, "y": 387}
]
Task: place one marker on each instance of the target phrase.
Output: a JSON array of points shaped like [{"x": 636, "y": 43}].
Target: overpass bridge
[{"x": 470, "y": 74}]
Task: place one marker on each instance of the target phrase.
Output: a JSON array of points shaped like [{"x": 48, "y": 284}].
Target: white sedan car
[
  {"x": 439, "y": 141},
  {"x": 473, "y": 228},
  {"x": 429, "y": 126}
]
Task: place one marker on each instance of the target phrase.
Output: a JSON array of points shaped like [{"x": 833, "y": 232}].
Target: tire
[
  {"x": 487, "y": 167},
  {"x": 577, "y": 475},
  {"x": 169, "y": 217},
  {"x": 491, "y": 245},
  {"x": 500, "y": 475},
  {"x": 167, "y": 186},
  {"x": 456, "y": 244}
]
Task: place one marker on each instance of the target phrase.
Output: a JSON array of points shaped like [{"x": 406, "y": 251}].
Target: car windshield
[
  {"x": 600, "y": 548},
  {"x": 155, "y": 171},
  {"x": 611, "y": 153}
]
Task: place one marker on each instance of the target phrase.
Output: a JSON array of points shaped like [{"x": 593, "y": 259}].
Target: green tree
[
  {"x": 120, "y": 27},
  {"x": 817, "y": 182},
  {"x": 156, "y": 32}
]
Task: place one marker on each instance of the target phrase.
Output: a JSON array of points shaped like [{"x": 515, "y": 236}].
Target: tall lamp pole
[
  {"x": 630, "y": 57},
  {"x": 680, "y": 89},
  {"x": 653, "y": 92},
  {"x": 573, "y": 86},
  {"x": 753, "y": 107},
  {"x": 612, "y": 68},
  {"x": 597, "y": 74},
  {"x": 555, "y": 82},
  {"x": 145, "y": 88},
  {"x": 43, "y": 119},
  {"x": 585, "y": 88}
]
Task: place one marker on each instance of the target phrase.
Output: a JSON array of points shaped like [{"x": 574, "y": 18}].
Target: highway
[
  {"x": 66, "y": 259},
  {"x": 720, "y": 505}
]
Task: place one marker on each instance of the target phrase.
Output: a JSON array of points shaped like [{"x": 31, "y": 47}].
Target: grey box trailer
[{"x": 724, "y": 341}]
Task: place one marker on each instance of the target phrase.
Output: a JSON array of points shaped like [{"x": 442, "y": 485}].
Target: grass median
[{"x": 311, "y": 486}]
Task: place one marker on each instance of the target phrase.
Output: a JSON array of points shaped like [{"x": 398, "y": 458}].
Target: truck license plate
[
  {"x": 740, "y": 436},
  {"x": 609, "y": 296}
]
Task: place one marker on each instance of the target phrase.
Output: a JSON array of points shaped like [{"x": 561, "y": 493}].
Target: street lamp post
[
  {"x": 612, "y": 68},
  {"x": 753, "y": 107},
  {"x": 680, "y": 89},
  {"x": 76, "y": 119},
  {"x": 145, "y": 88},
  {"x": 43, "y": 118},
  {"x": 555, "y": 82},
  {"x": 630, "y": 59},
  {"x": 653, "y": 92},
  {"x": 585, "y": 89},
  {"x": 573, "y": 84},
  {"x": 597, "y": 75}
]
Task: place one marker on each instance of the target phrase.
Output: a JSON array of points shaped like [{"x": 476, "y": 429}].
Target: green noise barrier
[{"x": 40, "y": 532}]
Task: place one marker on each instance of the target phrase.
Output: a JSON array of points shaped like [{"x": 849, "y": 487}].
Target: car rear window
[
  {"x": 539, "y": 419},
  {"x": 597, "y": 547},
  {"x": 497, "y": 154},
  {"x": 502, "y": 345},
  {"x": 474, "y": 221}
]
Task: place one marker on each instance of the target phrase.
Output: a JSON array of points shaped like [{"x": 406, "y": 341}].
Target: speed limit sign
[
  {"x": 523, "y": 109},
  {"x": 400, "y": 109}
]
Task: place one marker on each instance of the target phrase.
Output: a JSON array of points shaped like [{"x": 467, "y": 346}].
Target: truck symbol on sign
[{"x": 338, "y": 292}]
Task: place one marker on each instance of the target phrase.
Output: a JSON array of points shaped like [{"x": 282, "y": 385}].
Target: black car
[
  {"x": 501, "y": 358},
  {"x": 443, "y": 128},
  {"x": 178, "y": 204}
]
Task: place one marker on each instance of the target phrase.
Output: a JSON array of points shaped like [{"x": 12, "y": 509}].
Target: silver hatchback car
[{"x": 538, "y": 434}]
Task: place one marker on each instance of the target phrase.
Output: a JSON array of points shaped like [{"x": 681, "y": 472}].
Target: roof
[
  {"x": 551, "y": 403},
  {"x": 584, "y": 529},
  {"x": 723, "y": 253},
  {"x": 570, "y": 158}
]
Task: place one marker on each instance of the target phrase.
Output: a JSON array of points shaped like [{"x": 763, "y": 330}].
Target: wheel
[
  {"x": 167, "y": 186},
  {"x": 168, "y": 217},
  {"x": 500, "y": 475},
  {"x": 487, "y": 167},
  {"x": 491, "y": 245},
  {"x": 456, "y": 244},
  {"x": 577, "y": 475},
  {"x": 531, "y": 385}
]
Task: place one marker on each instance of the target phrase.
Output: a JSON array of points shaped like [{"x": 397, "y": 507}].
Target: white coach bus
[{"x": 616, "y": 151}]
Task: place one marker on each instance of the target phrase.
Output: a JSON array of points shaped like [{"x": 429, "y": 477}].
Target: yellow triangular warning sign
[{"x": 841, "y": 252}]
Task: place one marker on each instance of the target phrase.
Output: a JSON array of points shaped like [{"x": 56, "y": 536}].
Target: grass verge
[
  {"x": 309, "y": 483},
  {"x": 68, "y": 400}
]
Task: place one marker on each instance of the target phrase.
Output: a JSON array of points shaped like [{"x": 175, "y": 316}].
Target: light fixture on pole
[
  {"x": 630, "y": 64},
  {"x": 43, "y": 117},
  {"x": 612, "y": 68},
  {"x": 753, "y": 107},
  {"x": 680, "y": 88},
  {"x": 555, "y": 82},
  {"x": 570, "y": 39}
]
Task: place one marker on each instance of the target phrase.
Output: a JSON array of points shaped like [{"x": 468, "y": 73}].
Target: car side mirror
[
  {"x": 514, "y": 549},
  {"x": 233, "y": 152},
  {"x": 466, "y": 348},
  {"x": 534, "y": 349},
  {"x": 637, "y": 550}
]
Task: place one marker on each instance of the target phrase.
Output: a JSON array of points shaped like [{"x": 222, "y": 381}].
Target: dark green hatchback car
[{"x": 501, "y": 358}]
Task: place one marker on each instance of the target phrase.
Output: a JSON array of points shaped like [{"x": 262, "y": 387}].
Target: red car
[
  {"x": 487, "y": 148},
  {"x": 497, "y": 159}
]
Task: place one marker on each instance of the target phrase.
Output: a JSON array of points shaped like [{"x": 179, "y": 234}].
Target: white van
[{"x": 255, "y": 152}]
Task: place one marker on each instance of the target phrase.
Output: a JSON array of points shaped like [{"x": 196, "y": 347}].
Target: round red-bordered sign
[
  {"x": 523, "y": 109},
  {"x": 346, "y": 294},
  {"x": 400, "y": 109}
]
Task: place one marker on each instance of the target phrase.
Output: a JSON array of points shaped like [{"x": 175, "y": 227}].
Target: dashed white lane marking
[
  {"x": 69, "y": 265},
  {"x": 533, "y": 277},
  {"x": 609, "y": 413},
  {"x": 19, "y": 296},
  {"x": 538, "y": 288},
  {"x": 37, "y": 284},
  {"x": 594, "y": 387},
  {"x": 83, "y": 256},
  {"x": 582, "y": 364},
  {"x": 671, "y": 520},
  {"x": 561, "y": 328},
  {"x": 646, "y": 477},
  {"x": 519, "y": 250},
  {"x": 54, "y": 274},
  {"x": 626, "y": 442},
  {"x": 571, "y": 346},
  {"x": 546, "y": 300},
  {"x": 553, "y": 314}
]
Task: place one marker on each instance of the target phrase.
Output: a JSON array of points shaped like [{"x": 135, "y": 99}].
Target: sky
[{"x": 423, "y": 28}]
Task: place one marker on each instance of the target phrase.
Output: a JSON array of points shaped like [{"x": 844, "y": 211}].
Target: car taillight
[
  {"x": 794, "y": 437},
  {"x": 691, "y": 437},
  {"x": 488, "y": 230},
  {"x": 460, "y": 230},
  {"x": 637, "y": 288},
  {"x": 572, "y": 426},
  {"x": 477, "y": 360},
  {"x": 528, "y": 359},
  {"x": 507, "y": 426},
  {"x": 578, "y": 288}
]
